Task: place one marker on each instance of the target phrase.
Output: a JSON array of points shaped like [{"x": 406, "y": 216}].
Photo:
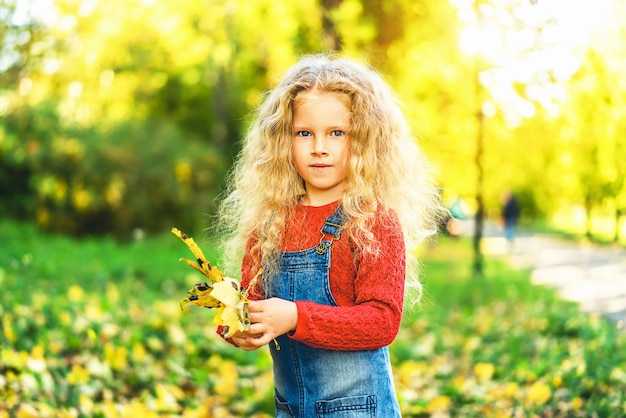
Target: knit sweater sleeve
[{"x": 373, "y": 319}]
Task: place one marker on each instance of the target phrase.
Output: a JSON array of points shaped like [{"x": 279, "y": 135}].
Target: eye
[
  {"x": 337, "y": 132},
  {"x": 303, "y": 133}
]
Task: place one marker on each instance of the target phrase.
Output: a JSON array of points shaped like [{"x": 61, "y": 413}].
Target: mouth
[{"x": 320, "y": 165}]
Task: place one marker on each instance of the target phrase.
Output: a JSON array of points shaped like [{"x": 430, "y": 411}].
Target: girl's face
[{"x": 321, "y": 147}]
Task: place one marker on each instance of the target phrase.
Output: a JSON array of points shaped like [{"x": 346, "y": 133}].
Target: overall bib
[{"x": 312, "y": 382}]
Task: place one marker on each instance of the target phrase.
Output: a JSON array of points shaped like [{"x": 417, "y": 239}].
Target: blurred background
[
  {"x": 119, "y": 116},
  {"x": 120, "y": 119}
]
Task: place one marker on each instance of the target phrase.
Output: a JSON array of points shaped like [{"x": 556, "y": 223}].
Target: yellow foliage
[
  {"x": 110, "y": 409},
  {"x": 115, "y": 191},
  {"x": 577, "y": 403},
  {"x": 618, "y": 374},
  {"x": 538, "y": 394},
  {"x": 65, "y": 318},
  {"x": 511, "y": 390},
  {"x": 36, "y": 362},
  {"x": 91, "y": 334},
  {"x": 410, "y": 371},
  {"x": 113, "y": 293},
  {"x": 81, "y": 198},
  {"x": 116, "y": 357},
  {"x": 484, "y": 372},
  {"x": 78, "y": 375},
  {"x": 183, "y": 171},
  {"x": 438, "y": 403},
  {"x": 459, "y": 382},
  {"x": 138, "y": 409},
  {"x": 203, "y": 266},
  {"x": 139, "y": 352},
  {"x": 220, "y": 292},
  {"x": 228, "y": 376},
  {"x": 27, "y": 411},
  {"x": 86, "y": 404},
  {"x": 75, "y": 293},
  {"x": 167, "y": 397},
  {"x": 13, "y": 358},
  {"x": 7, "y": 326}
]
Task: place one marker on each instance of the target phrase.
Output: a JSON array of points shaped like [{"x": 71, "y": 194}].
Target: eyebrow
[{"x": 331, "y": 128}]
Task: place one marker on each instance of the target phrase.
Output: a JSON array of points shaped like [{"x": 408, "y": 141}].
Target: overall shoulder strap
[{"x": 334, "y": 223}]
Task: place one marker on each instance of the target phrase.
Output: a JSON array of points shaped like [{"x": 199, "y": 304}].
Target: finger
[
  {"x": 244, "y": 342},
  {"x": 256, "y": 317},
  {"x": 250, "y": 344},
  {"x": 253, "y": 334},
  {"x": 260, "y": 341},
  {"x": 255, "y": 306}
]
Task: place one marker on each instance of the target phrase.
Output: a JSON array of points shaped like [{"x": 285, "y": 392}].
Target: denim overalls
[{"x": 312, "y": 382}]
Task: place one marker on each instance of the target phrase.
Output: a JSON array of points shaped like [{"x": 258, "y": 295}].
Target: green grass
[
  {"x": 93, "y": 328},
  {"x": 499, "y": 346}
]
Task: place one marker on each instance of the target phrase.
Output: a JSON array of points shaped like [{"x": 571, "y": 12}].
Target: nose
[{"x": 319, "y": 145}]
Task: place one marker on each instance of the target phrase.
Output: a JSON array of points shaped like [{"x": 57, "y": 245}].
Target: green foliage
[
  {"x": 144, "y": 174},
  {"x": 190, "y": 72},
  {"x": 90, "y": 326},
  {"x": 497, "y": 346}
]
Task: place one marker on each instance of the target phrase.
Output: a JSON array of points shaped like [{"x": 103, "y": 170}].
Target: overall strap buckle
[{"x": 332, "y": 226}]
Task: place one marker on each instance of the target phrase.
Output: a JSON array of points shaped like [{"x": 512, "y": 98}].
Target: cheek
[
  {"x": 345, "y": 160},
  {"x": 296, "y": 157},
  {"x": 347, "y": 152}
]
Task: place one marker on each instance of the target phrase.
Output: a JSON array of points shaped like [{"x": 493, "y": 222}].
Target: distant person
[
  {"x": 453, "y": 224},
  {"x": 329, "y": 166},
  {"x": 510, "y": 215}
]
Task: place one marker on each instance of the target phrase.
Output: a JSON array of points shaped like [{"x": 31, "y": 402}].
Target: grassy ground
[{"x": 93, "y": 328}]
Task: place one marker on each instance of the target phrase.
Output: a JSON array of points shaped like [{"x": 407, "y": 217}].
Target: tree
[{"x": 597, "y": 142}]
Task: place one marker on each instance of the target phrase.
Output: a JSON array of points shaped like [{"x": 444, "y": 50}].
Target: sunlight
[
  {"x": 538, "y": 44},
  {"x": 39, "y": 10}
]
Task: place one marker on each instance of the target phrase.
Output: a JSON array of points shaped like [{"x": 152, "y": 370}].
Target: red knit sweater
[{"x": 369, "y": 290}]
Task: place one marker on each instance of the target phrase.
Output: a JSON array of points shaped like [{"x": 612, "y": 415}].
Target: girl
[{"x": 327, "y": 196}]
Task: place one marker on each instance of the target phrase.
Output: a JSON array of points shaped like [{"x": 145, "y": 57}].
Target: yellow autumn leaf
[
  {"x": 203, "y": 266},
  {"x": 511, "y": 390},
  {"x": 438, "y": 404},
  {"x": 27, "y": 411},
  {"x": 224, "y": 293},
  {"x": 484, "y": 372},
  {"x": 233, "y": 314},
  {"x": 78, "y": 375},
  {"x": 577, "y": 403},
  {"x": 200, "y": 295},
  {"x": 538, "y": 394},
  {"x": 228, "y": 291}
]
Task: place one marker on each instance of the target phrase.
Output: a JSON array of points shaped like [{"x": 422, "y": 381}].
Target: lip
[{"x": 320, "y": 168}]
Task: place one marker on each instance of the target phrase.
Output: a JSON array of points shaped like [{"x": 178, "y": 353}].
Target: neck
[{"x": 308, "y": 201}]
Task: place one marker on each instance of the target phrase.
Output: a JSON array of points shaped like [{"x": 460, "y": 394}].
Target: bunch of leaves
[{"x": 221, "y": 292}]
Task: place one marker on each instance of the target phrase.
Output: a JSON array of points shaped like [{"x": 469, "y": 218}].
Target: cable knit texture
[{"x": 369, "y": 290}]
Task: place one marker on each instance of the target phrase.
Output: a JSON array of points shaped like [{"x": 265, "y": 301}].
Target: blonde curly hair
[{"x": 387, "y": 167}]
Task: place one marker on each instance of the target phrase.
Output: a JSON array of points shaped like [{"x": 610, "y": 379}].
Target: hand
[{"x": 269, "y": 319}]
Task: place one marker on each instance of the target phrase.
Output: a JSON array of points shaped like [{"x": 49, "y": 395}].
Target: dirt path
[{"x": 591, "y": 275}]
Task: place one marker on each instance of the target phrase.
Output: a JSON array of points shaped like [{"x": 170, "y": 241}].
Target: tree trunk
[
  {"x": 480, "y": 209},
  {"x": 331, "y": 36},
  {"x": 618, "y": 218},
  {"x": 588, "y": 205}
]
